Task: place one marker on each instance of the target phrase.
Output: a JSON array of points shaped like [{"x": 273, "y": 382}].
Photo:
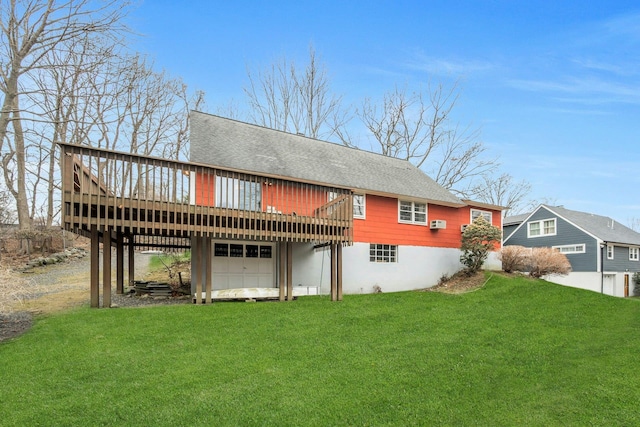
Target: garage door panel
[{"x": 243, "y": 265}]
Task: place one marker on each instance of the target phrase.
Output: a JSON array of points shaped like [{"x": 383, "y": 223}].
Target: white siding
[{"x": 417, "y": 267}]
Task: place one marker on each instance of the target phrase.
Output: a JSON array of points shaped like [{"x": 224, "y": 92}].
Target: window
[
  {"x": 609, "y": 251},
  {"x": 634, "y": 254},
  {"x": 475, "y": 213},
  {"x": 412, "y": 212},
  {"x": 382, "y": 253},
  {"x": 235, "y": 193},
  {"x": 570, "y": 249},
  {"x": 358, "y": 206},
  {"x": 242, "y": 251},
  {"x": 545, "y": 227}
]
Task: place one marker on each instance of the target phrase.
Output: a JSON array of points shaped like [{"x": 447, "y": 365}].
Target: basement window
[{"x": 382, "y": 253}]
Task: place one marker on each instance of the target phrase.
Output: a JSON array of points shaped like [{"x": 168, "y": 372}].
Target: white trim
[
  {"x": 634, "y": 253},
  {"x": 480, "y": 213},
  {"x": 541, "y": 222},
  {"x": 413, "y": 213},
  {"x": 364, "y": 206},
  {"x": 613, "y": 251},
  {"x": 578, "y": 248}
]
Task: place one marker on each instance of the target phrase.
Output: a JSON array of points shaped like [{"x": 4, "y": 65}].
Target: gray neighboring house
[{"x": 603, "y": 253}]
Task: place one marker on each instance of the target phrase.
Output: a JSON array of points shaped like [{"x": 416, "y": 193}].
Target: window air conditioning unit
[
  {"x": 438, "y": 224},
  {"x": 463, "y": 227}
]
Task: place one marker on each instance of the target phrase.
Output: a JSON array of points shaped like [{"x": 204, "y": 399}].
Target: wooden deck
[
  {"x": 127, "y": 200},
  {"x": 173, "y": 201}
]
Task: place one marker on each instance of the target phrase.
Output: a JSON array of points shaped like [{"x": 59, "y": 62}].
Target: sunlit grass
[{"x": 516, "y": 352}]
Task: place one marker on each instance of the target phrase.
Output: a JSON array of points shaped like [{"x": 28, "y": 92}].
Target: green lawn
[{"x": 516, "y": 352}]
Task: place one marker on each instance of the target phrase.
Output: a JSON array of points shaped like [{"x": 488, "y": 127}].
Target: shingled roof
[
  {"x": 239, "y": 146},
  {"x": 602, "y": 227}
]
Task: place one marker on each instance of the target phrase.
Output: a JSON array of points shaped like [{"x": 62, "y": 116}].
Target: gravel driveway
[{"x": 65, "y": 285}]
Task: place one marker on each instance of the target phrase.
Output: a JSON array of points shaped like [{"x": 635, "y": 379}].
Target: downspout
[{"x": 602, "y": 246}]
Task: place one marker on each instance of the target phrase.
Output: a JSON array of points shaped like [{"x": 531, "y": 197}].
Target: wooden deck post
[
  {"x": 281, "y": 269},
  {"x": 339, "y": 271},
  {"x": 208, "y": 268},
  {"x": 106, "y": 268},
  {"x": 196, "y": 266},
  {"x": 289, "y": 271},
  {"x": 334, "y": 271},
  {"x": 132, "y": 262},
  {"x": 119, "y": 263},
  {"x": 95, "y": 267}
]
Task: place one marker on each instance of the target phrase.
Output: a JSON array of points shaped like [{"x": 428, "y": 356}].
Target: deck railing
[{"x": 140, "y": 195}]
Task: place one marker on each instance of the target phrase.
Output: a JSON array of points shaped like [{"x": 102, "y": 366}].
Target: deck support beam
[
  {"x": 95, "y": 267},
  {"x": 119, "y": 263},
  {"x": 131, "y": 261},
  {"x": 289, "y": 271},
  {"x": 208, "y": 268},
  {"x": 106, "y": 268},
  {"x": 339, "y": 271},
  {"x": 196, "y": 266},
  {"x": 281, "y": 269}
]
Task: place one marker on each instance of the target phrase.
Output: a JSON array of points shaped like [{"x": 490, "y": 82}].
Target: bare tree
[
  {"x": 634, "y": 224},
  {"x": 29, "y": 31},
  {"x": 418, "y": 127},
  {"x": 502, "y": 191},
  {"x": 7, "y": 214},
  {"x": 285, "y": 98}
]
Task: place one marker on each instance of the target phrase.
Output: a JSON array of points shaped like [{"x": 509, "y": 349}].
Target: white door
[{"x": 243, "y": 265}]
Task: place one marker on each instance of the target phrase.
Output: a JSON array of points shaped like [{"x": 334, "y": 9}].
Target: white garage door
[{"x": 243, "y": 265}]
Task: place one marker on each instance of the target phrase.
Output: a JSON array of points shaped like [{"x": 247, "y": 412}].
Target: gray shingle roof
[
  {"x": 245, "y": 147},
  {"x": 604, "y": 228}
]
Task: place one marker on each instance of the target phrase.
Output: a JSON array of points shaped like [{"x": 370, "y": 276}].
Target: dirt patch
[
  {"x": 459, "y": 283},
  {"x": 48, "y": 289}
]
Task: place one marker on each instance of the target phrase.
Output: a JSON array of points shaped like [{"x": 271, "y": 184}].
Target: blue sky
[{"x": 554, "y": 86}]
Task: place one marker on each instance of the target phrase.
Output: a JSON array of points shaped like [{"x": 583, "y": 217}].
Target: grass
[
  {"x": 160, "y": 262},
  {"x": 516, "y": 352}
]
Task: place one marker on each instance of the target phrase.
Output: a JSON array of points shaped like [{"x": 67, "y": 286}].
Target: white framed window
[
  {"x": 236, "y": 193},
  {"x": 383, "y": 253},
  {"x": 359, "y": 206},
  {"x": 412, "y": 212},
  {"x": 634, "y": 254},
  {"x": 571, "y": 249},
  {"x": 609, "y": 251},
  {"x": 544, "y": 227},
  {"x": 475, "y": 213}
]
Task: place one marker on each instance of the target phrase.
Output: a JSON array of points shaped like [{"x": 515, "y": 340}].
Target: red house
[{"x": 397, "y": 229}]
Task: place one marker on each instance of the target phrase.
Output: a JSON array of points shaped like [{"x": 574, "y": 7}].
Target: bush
[
  {"x": 543, "y": 261},
  {"x": 514, "y": 258},
  {"x": 478, "y": 239}
]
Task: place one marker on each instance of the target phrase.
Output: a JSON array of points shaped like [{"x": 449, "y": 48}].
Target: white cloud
[{"x": 448, "y": 66}]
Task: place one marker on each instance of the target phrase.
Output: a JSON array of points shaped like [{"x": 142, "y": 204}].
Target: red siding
[{"x": 381, "y": 225}]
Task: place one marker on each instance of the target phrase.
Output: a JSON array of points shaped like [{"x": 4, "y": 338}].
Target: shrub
[
  {"x": 478, "y": 239},
  {"x": 514, "y": 258},
  {"x": 543, "y": 261}
]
